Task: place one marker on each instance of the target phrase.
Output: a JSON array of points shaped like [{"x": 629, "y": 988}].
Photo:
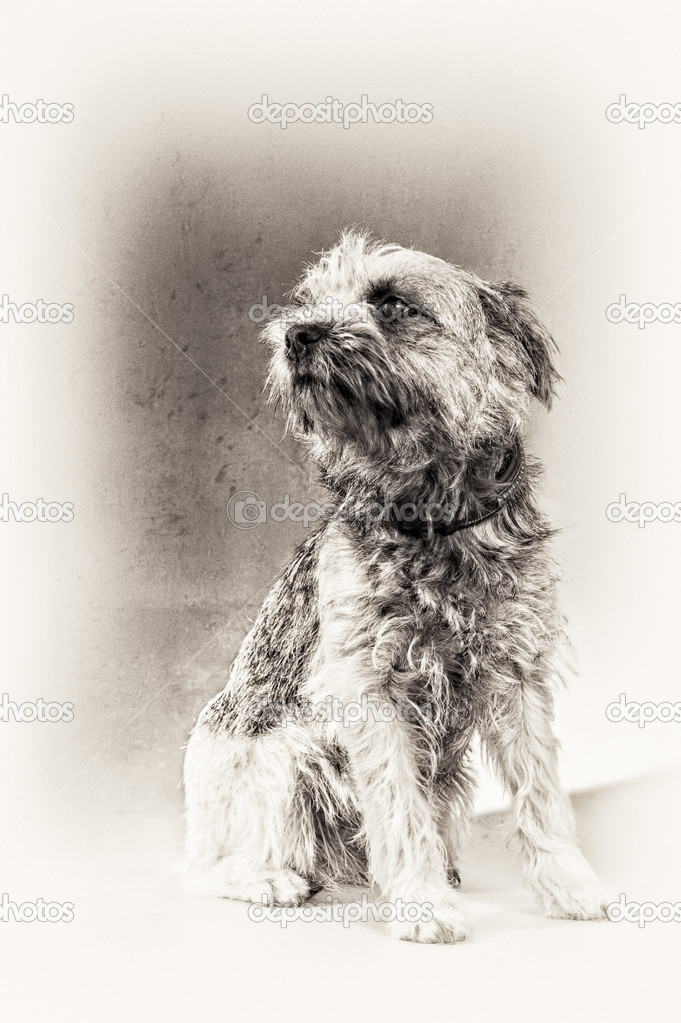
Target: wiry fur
[{"x": 462, "y": 629}]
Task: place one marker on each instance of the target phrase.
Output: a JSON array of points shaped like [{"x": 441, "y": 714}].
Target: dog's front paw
[
  {"x": 229, "y": 881},
  {"x": 568, "y": 889},
  {"x": 439, "y": 922},
  {"x": 579, "y": 903},
  {"x": 283, "y": 888}
]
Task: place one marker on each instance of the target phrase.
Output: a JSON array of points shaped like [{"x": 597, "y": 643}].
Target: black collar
[{"x": 507, "y": 480}]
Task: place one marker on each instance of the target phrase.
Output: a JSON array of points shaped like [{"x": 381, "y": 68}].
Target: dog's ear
[{"x": 511, "y": 318}]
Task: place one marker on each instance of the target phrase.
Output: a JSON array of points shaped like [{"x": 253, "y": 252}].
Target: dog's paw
[
  {"x": 280, "y": 888},
  {"x": 269, "y": 887},
  {"x": 568, "y": 889},
  {"x": 441, "y": 923},
  {"x": 578, "y": 903}
]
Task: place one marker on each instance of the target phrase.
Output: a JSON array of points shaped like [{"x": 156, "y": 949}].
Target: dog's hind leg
[{"x": 244, "y": 838}]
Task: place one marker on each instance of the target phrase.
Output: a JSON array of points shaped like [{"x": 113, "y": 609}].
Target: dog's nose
[{"x": 301, "y": 335}]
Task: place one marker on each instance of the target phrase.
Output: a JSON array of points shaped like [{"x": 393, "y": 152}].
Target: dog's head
[{"x": 382, "y": 344}]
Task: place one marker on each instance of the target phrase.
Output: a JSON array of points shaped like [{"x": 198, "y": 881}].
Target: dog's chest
[
  {"x": 416, "y": 608},
  {"x": 443, "y": 599}
]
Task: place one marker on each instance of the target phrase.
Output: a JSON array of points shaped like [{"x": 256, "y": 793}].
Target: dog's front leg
[
  {"x": 407, "y": 858},
  {"x": 519, "y": 740}
]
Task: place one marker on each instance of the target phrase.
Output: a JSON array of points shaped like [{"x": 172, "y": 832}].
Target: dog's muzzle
[{"x": 301, "y": 337}]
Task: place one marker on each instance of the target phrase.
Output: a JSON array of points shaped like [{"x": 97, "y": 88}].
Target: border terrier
[{"x": 427, "y": 601}]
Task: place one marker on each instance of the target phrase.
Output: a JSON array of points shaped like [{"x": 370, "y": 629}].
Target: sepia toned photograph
[{"x": 340, "y": 512}]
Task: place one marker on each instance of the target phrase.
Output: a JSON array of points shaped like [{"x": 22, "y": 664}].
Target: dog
[{"x": 423, "y": 611}]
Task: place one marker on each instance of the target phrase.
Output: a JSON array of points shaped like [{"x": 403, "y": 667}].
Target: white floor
[{"x": 139, "y": 948}]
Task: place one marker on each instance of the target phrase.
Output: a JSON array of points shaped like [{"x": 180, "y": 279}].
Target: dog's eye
[{"x": 395, "y": 310}]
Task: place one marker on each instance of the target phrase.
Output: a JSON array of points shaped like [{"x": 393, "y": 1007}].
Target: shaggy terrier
[{"x": 421, "y": 612}]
